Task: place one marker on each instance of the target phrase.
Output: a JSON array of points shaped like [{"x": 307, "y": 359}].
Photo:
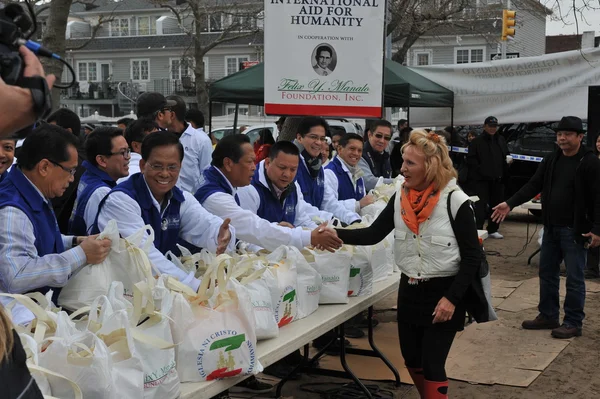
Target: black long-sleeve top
[{"x": 466, "y": 236}]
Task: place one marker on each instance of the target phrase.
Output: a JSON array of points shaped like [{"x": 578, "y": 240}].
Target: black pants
[
  {"x": 426, "y": 348},
  {"x": 490, "y": 193},
  {"x": 593, "y": 260}
]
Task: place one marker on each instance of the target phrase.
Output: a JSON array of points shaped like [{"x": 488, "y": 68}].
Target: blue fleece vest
[
  {"x": 166, "y": 227},
  {"x": 313, "y": 190},
  {"x": 214, "y": 182},
  {"x": 17, "y": 191},
  {"x": 346, "y": 189},
  {"x": 92, "y": 179},
  {"x": 270, "y": 207}
]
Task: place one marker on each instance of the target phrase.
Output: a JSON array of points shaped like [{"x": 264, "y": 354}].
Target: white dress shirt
[
  {"x": 331, "y": 192},
  {"x": 305, "y": 212},
  {"x": 197, "y": 149},
  {"x": 23, "y": 270},
  {"x": 134, "y": 166},
  {"x": 251, "y": 228},
  {"x": 198, "y": 227}
]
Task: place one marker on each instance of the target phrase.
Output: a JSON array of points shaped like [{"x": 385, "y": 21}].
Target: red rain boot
[
  {"x": 418, "y": 379},
  {"x": 436, "y": 390}
]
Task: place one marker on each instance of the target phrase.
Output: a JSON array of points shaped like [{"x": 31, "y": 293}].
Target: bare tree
[
  {"x": 237, "y": 20},
  {"x": 410, "y": 19},
  {"x": 289, "y": 129}
]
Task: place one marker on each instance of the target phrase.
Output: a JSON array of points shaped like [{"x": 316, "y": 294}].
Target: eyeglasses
[
  {"x": 314, "y": 137},
  {"x": 382, "y": 136},
  {"x": 160, "y": 168},
  {"x": 125, "y": 153},
  {"x": 68, "y": 170}
]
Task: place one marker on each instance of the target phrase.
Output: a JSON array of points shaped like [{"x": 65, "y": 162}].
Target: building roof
[
  {"x": 466, "y": 27},
  {"x": 156, "y": 42},
  {"x": 557, "y": 44}
]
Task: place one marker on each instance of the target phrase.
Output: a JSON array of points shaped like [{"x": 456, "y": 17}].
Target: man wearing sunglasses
[
  {"x": 36, "y": 255},
  {"x": 375, "y": 162},
  {"x": 155, "y": 106},
  {"x": 107, "y": 161},
  {"x": 151, "y": 198}
]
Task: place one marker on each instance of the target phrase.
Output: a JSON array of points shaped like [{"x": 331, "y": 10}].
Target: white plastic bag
[
  {"x": 220, "y": 342},
  {"x": 361, "y": 273},
  {"x": 153, "y": 306},
  {"x": 334, "y": 269},
  {"x": 283, "y": 264},
  {"x": 126, "y": 262},
  {"x": 84, "y": 359}
]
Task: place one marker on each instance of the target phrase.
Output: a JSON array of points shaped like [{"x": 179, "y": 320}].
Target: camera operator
[{"x": 20, "y": 100}]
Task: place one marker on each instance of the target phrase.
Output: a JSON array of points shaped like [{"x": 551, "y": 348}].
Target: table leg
[
  {"x": 347, "y": 368},
  {"x": 378, "y": 352},
  {"x": 294, "y": 371}
]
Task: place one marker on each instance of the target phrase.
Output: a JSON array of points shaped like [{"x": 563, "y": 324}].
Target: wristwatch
[{"x": 74, "y": 242}]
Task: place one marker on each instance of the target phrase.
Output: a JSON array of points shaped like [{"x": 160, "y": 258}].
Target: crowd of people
[{"x": 164, "y": 170}]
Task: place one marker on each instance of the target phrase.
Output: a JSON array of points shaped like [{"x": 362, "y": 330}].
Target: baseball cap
[
  {"x": 491, "y": 121},
  {"x": 150, "y": 102}
]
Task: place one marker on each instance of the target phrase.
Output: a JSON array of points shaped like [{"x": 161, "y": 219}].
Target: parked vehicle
[
  {"x": 253, "y": 131},
  {"x": 219, "y": 133}
]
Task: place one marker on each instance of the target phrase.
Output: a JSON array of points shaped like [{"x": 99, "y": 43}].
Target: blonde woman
[
  {"x": 439, "y": 266},
  {"x": 16, "y": 380}
]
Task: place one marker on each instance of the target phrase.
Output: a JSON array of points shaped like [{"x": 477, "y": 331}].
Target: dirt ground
[{"x": 575, "y": 373}]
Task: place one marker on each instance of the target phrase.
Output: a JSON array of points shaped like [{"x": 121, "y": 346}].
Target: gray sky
[{"x": 559, "y": 28}]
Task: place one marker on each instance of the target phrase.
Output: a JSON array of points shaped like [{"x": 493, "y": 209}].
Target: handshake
[{"x": 325, "y": 238}]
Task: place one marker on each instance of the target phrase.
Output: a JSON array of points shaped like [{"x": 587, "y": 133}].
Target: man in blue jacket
[
  {"x": 36, "y": 256},
  {"x": 274, "y": 195},
  {"x": 151, "y": 198},
  {"x": 108, "y": 155}
]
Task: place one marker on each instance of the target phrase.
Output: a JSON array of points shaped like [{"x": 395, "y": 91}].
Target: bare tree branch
[{"x": 94, "y": 31}]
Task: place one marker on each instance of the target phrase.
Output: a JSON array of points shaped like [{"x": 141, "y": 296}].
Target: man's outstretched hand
[
  {"x": 500, "y": 212},
  {"x": 224, "y": 237}
]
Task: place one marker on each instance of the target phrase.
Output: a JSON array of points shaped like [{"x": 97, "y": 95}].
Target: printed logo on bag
[
  {"x": 286, "y": 309},
  {"x": 354, "y": 273},
  {"x": 330, "y": 279},
  {"x": 225, "y": 354},
  {"x": 262, "y": 306},
  {"x": 313, "y": 290},
  {"x": 159, "y": 376}
]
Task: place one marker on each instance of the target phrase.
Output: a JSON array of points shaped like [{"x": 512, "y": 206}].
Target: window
[
  {"x": 140, "y": 69},
  {"x": 422, "y": 57},
  {"x": 181, "y": 68},
  {"x": 119, "y": 27},
  {"x": 215, "y": 22},
  {"x": 469, "y": 55},
  {"x": 146, "y": 26},
  {"x": 232, "y": 64},
  {"x": 87, "y": 71}
]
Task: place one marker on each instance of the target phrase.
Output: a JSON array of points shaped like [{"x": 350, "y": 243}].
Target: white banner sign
[
  {"x": 324, "y": 57},
  {"x": 531, "y": 89}
]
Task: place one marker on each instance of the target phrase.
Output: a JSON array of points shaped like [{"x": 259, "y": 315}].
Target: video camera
[{"x": 16, "y": 27}]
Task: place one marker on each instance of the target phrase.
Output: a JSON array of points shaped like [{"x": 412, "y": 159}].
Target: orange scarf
[{"x": 417, "y": 206}]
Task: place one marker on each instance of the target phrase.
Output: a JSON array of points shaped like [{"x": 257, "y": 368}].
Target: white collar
[{"x": 233, "y": 189}]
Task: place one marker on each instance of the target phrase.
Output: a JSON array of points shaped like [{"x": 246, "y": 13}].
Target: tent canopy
[{"x": 403, "y": 88}]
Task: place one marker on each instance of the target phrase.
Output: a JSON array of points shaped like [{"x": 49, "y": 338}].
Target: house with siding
[
  {"x": 119, "y": 49},
  {"x": 474, "y": 36}
]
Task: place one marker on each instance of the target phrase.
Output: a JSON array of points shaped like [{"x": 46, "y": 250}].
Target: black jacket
[
  {"x": 379, "y": 163},
  {"x": 486, "y": 159},
  {"x": 586, "y": 209}
]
